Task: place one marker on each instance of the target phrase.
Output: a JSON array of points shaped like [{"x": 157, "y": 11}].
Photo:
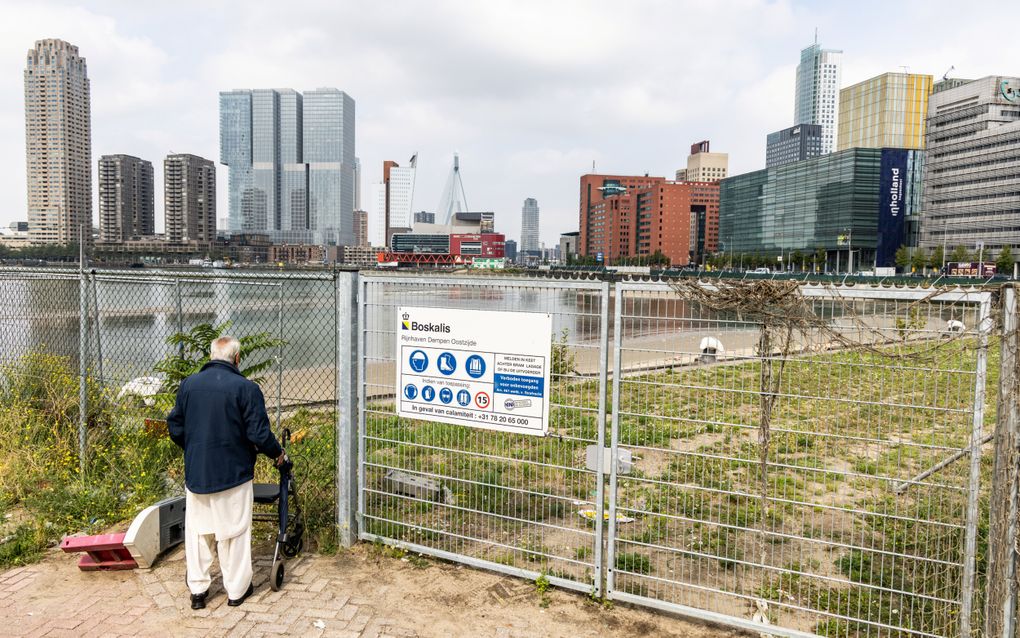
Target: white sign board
[{"x": 480, "y": 368}]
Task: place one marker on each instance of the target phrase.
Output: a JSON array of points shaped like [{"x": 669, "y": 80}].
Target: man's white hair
[{"x": 224, "y": 348}]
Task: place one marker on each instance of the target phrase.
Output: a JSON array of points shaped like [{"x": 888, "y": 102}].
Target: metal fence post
[
  {"x": 1001, "y": 593},
  {"x": 347, "y": 356},
  {"x": 83, "y": 341},
  {"x": 974, "y": 485}
]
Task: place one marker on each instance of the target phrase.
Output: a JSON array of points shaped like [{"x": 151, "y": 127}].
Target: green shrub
[
  {"x": 24, "y": 546},
  {"x": 634, "y": 563},
  {"x": 126, "y": 463}
]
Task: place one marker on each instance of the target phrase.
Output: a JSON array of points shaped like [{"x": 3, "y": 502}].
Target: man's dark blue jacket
[{"x": 220, "y": 420}]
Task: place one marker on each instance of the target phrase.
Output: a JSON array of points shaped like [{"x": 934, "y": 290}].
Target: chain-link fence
[{"x": 141, "y": 333}]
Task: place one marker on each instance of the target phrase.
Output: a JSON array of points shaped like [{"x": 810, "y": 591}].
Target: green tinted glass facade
[{"x": 814, "y": 203}]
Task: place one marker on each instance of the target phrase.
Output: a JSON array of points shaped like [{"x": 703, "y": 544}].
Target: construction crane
[{"x": 945, "y": 76}]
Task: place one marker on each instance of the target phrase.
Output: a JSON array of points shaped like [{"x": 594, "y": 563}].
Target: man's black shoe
[
  {"x": 198, "y": 600},
  {"x": 234, "y": 603}
]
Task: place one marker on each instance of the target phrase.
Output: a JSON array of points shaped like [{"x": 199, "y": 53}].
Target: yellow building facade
[{"x": 887, "y": 111}]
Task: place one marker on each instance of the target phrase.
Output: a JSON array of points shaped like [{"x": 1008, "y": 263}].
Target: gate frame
[
  {"x": 979, "y": 298},
  {"x": 600, "y": 287}
]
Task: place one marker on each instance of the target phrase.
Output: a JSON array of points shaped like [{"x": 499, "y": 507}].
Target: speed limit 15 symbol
[{"x": 482, "y": 400}]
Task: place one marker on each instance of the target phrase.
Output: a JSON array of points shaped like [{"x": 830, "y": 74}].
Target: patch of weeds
[
  {"x": 505, "y": 559},
  {"x": 702, "y": 470},
  {"x": 635, "y": 587},
  {"x": 326, "y": 541},
  {"x": 658, "y": 529},
  {"x": 582, "y": 553},
  {"x": 418, "y": 561},
  {"x": 24, "y": 546},
  {"x": 378, "y": 548},
  {"x": 601, "y": 601},
  {"x": 866, "y": 466},
  {"x": 790, "y": 443},
  {"x": 780, "y": 587},
  {"x": 534, "y": 552},
  {"x": 634, "y": 562},
  {"x": 542, "y": 585},
  {"x": 721, "y": 543}
]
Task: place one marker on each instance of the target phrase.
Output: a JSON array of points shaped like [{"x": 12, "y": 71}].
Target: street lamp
[
  {"x": 945, "y": 233},
  {"x": 849, "y": 249}
]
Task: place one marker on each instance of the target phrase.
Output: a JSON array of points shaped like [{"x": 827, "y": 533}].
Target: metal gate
[
  {"x": 519, "y": 504},
  {"x": 851, "y": 511}
]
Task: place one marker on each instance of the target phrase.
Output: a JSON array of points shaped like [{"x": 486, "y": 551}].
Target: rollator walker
[{"x": 290, "y": 535}]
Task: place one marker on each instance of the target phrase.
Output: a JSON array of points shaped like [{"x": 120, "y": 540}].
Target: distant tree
[
  {"x": 919, "y": 260},
  {"x": 821, "y": 256},
  {"x": 936, "y": 258},
  {"x": 1004, "y": 261},
  {"x": 960, "y": 253},
  {"x": 902, "y": 258},
  {"x": 797, "y": 259}
]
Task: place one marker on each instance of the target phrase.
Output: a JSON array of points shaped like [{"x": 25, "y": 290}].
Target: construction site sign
[{"x": 478, "y": 368}]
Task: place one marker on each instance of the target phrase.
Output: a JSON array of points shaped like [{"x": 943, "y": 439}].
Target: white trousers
[{"x": 221, "y": 519}]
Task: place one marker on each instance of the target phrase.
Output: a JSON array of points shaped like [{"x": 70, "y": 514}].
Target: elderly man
[{"x": 220, "y": 420}]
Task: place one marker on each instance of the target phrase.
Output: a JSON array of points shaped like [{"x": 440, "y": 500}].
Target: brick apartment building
[{"x": 635, "y": 216}]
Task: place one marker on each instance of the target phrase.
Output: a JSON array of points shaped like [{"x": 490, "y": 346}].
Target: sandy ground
[{"x": 360, "y": 592}]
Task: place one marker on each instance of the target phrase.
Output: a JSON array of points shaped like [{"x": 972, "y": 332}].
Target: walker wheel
[
  {"x": 293, "y": 547},
  {"x": 276, "y": 576}
]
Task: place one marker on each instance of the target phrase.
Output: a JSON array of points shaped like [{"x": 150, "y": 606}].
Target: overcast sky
[{"x": 529, "y": 93}]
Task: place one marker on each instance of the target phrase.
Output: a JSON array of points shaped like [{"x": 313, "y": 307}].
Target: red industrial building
[{"x": 633, "y": 216}]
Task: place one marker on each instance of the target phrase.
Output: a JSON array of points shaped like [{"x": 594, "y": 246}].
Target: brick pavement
[{"x": 358, "y": 594}]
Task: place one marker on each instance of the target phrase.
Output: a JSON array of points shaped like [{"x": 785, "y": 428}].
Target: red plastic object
[{"x": 104, "y": 552}]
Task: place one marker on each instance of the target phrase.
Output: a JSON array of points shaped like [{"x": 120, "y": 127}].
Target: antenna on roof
[{"x": 816, "y": 35}]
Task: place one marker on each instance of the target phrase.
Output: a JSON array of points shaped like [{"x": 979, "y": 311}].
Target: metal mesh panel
[
  {"x": 38, "y": 311},
  {"x": 129, "y": 319},
  {"x": 505, "y": 501},
  {"x": 853, "y": 537}
]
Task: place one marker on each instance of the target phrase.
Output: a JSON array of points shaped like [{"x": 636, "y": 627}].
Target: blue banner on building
[{"x": 892, "y": 205}]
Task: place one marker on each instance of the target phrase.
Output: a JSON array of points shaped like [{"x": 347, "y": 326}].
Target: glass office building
[
  {"x": 292, "y": 164},
  {"x": 864, "y": 199}
]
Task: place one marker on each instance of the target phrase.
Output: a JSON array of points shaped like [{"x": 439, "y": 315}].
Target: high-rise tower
[
  {"x": 189, "y": 189},
  {"x": 292, "y": 164},
  {"x": 58, "y": 143},
  {"x": 817, "y": 97},
  {"x": 125, "y": 198},
  {"x": 397, "y": 197},
  {"x": 529, "y": 227}
]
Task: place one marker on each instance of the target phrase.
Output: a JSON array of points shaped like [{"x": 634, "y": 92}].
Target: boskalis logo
[{"x": 414, "y": 326}]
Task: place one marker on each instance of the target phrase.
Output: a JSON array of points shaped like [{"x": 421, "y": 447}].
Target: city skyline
[{"x": 527, "y": 121}]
